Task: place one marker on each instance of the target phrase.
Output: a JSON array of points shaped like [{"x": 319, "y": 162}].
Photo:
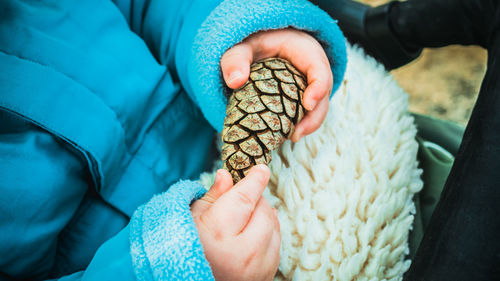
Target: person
[
  {"x": 461, "y": 240},
  {"x": 107, "y": 108}
]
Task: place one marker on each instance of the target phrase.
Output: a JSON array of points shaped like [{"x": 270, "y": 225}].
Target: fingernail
[
  {"x": 234, "y": 76},
  {"x": 297, "y": 135},
  {"x": 262, "y": 167},
  {"x": 217, "y": 175}
]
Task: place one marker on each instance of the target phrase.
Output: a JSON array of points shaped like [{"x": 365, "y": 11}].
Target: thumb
[
  {"x": 235, "y": 65},
  {"x": 223, "y": 182},
  {"x": 233, "y": 210}
]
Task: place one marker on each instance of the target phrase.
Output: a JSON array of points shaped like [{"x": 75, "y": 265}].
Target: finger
[
  {"x": 312, "y": 120},
  {"x": 305, "y": 53},
  {"x": 235, "y": 65},
  {"x": 273, "y": 254},
  {"x": 223, "y": 182},
  {"x": 320, "y": 83},
  {"x": 233, "y": 209},
  {"x": 277, "y": 231},
  {"x": 276, "y": 219}
]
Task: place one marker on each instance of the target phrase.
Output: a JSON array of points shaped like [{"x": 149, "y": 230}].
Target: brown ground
[{"x": 443, "y": 82}]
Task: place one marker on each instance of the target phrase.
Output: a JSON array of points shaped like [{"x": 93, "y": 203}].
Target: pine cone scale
[
  {"x": 261, "y": 115},
  {"x": 272, "y": 103}
]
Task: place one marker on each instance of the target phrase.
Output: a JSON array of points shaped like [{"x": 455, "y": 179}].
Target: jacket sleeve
[
  {"x": 42, "y": 186},
  {"x": 191, "y": 36}
]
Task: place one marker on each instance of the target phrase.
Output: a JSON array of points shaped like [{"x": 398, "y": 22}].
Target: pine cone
[{"x": 261, "y": 115}]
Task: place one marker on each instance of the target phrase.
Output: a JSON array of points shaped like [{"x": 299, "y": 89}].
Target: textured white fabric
[{"x": 344, "y": 194}]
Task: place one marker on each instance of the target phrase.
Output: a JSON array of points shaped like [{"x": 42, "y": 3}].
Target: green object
[{"x": 438, "y": 141}]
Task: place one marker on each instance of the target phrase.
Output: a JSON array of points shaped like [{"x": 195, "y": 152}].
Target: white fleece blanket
[{"x": 344, "y": 194}]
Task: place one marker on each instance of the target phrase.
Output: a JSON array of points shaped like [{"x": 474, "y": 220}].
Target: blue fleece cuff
[
  {"x": 164, "y": 241},
  {"x": 234, "y": 20}
]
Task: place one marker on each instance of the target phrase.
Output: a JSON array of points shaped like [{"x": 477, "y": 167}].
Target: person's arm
[
  {"x": 395, "y": 33},
  {"x": 42, "y": 185},
  {"x": 75, "y": 52},
  {"x": 190, "y": 37},
  {"x": 433, "y": 23}
]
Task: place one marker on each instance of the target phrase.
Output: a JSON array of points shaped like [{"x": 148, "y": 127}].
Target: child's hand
[
  {"x": 303, "y": 51},
  {"x": 238, "y": 228}
]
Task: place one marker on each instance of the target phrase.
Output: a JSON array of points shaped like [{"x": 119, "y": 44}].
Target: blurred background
[{"x": 442, "y": 82}]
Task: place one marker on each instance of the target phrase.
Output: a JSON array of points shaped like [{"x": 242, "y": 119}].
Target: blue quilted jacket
[{"x": 107, "y": 109}]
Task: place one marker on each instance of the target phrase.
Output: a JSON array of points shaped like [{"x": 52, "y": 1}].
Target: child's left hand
[{"x": 303, "y": 51}]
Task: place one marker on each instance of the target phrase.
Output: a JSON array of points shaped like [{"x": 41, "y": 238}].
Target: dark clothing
[
  {"x": 438, "y": 23},
  {"x": 462, "y": 241}
]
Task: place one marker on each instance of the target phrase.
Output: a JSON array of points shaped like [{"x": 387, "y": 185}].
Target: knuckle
[
  {"x": 318, "y": 121},
  {"x": 244, "y": 199},
  {"x": 315, "y": 123},
  {"x": 202, "y": 219},
  {"x": 207, "y": 223},
  {"x": 238, "y": 51},
  {"x": 233, "y": 53},
  {"x": 228, "y": 59},
  {"x": 267, "y": 227},
  {"x": 208, "y": 197},
  {"x": 323, "y": 81},
  {"x": 249, "y": 258}
]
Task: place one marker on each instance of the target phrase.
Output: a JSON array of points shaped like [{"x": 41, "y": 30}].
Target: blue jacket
[{"x": 104, "y": 107}]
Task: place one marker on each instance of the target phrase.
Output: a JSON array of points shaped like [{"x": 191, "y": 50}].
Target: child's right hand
[{"x": 238, "y": 228}]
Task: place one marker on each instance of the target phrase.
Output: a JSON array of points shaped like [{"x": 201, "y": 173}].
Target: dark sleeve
[{"x": 437, "y": 23}]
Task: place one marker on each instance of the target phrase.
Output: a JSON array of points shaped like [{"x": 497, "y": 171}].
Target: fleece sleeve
[
  {"x": 160, "y": 243},
  {"x": 191, "y": 36},
  {"x": 164, "y": 241}
]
